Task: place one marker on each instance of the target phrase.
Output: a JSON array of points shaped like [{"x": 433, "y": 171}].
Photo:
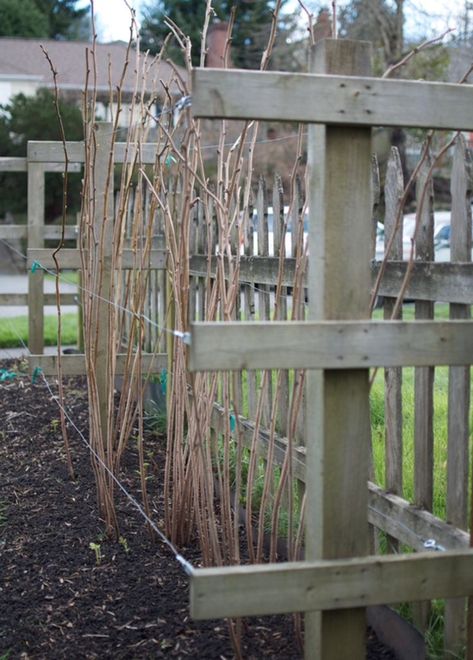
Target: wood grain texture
[
  {"x": 394, "y": 189},
  {"x": 10, "y": 232},
  {"x": 49, "y": 299},
  {"x": 330, "y": 99},
  {"x": 337, "y": 467},
  {"x": 12, "y": 164},
  {"x": 329, "y": 584},
  {"x": 35, "y": 240},
  {"x": 70, "y": 258},
  {"x": 53, "y": 152},
  {"x": 459, "y": 386},
  {"x": 74, "y": 365},
  {"x": 329, "y": 344},
  {"x": 424, "y": 376},
  {"x": 439, "y": 282}
]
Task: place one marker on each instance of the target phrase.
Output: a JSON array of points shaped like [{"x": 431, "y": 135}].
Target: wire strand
[
  {"x": 184, "y": 336},
  {"x": 186, "y": 565}
]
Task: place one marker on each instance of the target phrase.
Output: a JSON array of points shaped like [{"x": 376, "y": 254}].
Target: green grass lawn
[{"x": 11, "y": 329}]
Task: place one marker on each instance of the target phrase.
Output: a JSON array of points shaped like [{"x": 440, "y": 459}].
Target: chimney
[
  {"x": 323, "y": 27},
  {"x": 216, "y": 40}
]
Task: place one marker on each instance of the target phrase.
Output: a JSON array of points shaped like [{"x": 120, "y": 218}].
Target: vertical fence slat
[
  {"x": 458, "y": 388},
  {"x": 394, "y": 189},
  {"x": 35, "y": 240},
  {"x": 249, "y": 307},
  {"x": 424, "y": 376},
  {"x": 264, "y": 302},
  {"x": 278, "y": 238}
]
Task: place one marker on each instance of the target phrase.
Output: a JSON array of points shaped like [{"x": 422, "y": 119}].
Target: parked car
[{"x": 441, "y": 220}]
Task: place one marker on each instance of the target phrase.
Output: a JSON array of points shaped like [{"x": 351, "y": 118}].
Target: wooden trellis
[{"x": 337, "y": 580}]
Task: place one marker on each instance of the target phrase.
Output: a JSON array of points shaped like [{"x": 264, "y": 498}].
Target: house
[{"x": 24, "y": 69}]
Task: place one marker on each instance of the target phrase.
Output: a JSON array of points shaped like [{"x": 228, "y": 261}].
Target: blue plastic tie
[
  {"x": 164, "y": 381},
  {"x": 37, "y": 371},
  {"x": 6, "y": 375},
  {"x": 170, "y": 160},
  {"x": 36, "y": 266}
]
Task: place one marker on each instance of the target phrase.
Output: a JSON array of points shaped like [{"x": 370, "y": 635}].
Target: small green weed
[
  {"x": 124, "y": 543},
  {"x": 97, "y": 548},
  {"x": 3, "y": 516}
]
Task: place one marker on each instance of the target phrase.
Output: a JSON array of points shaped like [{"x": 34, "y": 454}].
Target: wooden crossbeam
[
  {"x": 21, "y": 299},
  {"x": 53, "y": 152},
  {"x": 11, "y": 232},
  {"x": 254, "y": 269},
  {"x": 329, "y": 584},
  {"x": 330, "y": 99},
  {"x": 70, "y": 258},
  {"x": 386, "y": 511},
  {"x": 74, "y": 365},
  {"x": 442, "y": 281},
  {"x": 13, "y": 164},
  {"x": 329, "y": 344}
]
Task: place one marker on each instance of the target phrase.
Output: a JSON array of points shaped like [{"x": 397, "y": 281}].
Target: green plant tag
[
  {"x": 164, "y": 381},
  {"x": 6, "y": 375},
  {"x": 170, "y": 160},
  {"x": 232, "y": 422},
  {"x": 36, "y": 373}
]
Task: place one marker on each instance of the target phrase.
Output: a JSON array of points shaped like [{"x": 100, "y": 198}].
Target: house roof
[{"x": 23, "y": 59}]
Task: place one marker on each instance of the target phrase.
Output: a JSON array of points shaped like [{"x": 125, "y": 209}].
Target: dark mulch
[{"x": 56, "y": 601}]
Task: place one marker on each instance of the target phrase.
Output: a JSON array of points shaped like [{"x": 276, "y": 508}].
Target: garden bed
[{"x": 60, "y": 597}]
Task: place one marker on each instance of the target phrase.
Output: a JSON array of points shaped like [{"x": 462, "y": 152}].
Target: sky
[{"x": 422, "y": 16}]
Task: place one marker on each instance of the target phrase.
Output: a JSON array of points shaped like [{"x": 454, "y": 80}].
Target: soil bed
[{"x": 61, "y": 598}]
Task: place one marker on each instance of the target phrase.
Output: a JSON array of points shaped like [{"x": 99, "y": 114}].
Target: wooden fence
[
  {"x": 336, "y": 451},
  {"x": 261, "y": 268},
  {"x": 35, "y": 233}
]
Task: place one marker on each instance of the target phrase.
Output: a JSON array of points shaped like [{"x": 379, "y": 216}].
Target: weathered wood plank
[
  {"x": 337, "y": 445},
  {"x": 329, "y": 344},
  {"x": 329, "y": 584},
  {"x": 458, "y": 388},
  {"x": 394, "y": 189},
  {"x": 74, "y": 365},
  {"x": 49, "y": 232},
  {"x": 70, "y": 258},
  {"x": 409, "y": 524},
  {"x": 439, "y": 282},
  {"x": 424, "y": 376},
  {"x": 13, "y": 232},
  {"x": 35, "y": 212},
  {"x": 14, "y": 299},
  {"x": 53, "y": 152},
  {"x": 12, "y": 164},
  {"x": 335, "y": 99},
  {"x": 253, "y": 269}
]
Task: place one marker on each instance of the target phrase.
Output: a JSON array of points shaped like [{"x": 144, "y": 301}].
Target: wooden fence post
[
  {"x": 338, "y": 402},
  {"x": 36, "y": 240},
  {"x": 424, "y": 376}
]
